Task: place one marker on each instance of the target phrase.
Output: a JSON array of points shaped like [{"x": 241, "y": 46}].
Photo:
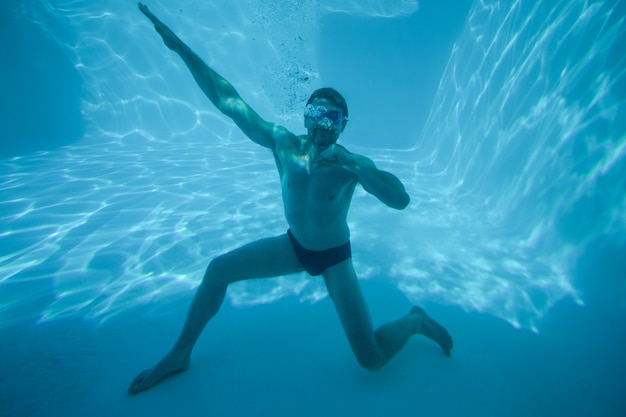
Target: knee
[
  {"x": 370, "y": 362},
  {"x": 216, "y": 271}
]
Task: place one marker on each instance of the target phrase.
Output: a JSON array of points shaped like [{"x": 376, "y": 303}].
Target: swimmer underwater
[{"x": 318, "y": 178}]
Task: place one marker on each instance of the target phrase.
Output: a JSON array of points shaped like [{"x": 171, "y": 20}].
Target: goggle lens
[{"x": 321, "y": 115}]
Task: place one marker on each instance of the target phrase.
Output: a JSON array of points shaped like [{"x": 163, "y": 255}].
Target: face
[{"x": 324, "y": 123}]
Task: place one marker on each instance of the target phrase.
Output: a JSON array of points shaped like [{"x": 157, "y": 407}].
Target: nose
[{"x": 324, "y": 123}]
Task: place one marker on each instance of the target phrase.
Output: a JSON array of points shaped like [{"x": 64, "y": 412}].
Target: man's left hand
[{"x": 330, "y": 153}]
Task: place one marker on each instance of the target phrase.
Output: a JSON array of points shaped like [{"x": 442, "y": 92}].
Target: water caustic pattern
[
  {"x": 521, "y": 165},
  {"x": 370, "y": 8},
  {"x": 107, "y": 229},
  {"x": 529, "y": 127}
]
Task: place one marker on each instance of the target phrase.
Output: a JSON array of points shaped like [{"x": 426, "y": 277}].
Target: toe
[{"x": 135, "y": 386}]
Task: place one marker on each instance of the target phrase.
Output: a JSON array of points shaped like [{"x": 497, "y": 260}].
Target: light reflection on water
[
  {"x": 524, "y": 132},
  {"x": 142, "y": 227},
  {"x": 528, "y": 128}
]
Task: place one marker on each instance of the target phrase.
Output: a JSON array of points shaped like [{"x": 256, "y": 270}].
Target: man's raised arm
[{"x": 221, "y": 93}]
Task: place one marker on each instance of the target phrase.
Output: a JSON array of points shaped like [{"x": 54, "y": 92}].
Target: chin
[
  {"x": 323, "y": 144},
  {"x": 325, "y": 137}
]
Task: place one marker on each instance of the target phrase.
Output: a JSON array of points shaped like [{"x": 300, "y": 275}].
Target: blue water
[{"x": 119, "y": 182}]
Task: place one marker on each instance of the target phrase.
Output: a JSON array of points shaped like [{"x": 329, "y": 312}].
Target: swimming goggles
[{"x": 321, "y": 116}]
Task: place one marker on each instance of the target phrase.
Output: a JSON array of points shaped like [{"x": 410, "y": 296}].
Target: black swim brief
[{"x": 315, "y": 262}]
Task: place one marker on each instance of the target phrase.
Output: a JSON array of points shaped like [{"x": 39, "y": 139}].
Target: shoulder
[
  {"x": 286, "y": 140},
  {"x": 285, "y": 144},
  {"x": 282, "y": 135}
]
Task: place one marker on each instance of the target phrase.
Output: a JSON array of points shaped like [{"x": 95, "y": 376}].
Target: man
[{"x": 318, "y": 178}]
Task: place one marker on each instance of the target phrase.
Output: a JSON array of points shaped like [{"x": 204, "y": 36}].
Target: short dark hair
[{"x": 331, "y": 95}]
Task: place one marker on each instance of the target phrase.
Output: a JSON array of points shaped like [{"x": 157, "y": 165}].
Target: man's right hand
[{"x": 169, "y": 38}]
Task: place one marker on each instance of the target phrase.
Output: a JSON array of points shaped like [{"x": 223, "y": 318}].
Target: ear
[{"x": 343, "y": 124}]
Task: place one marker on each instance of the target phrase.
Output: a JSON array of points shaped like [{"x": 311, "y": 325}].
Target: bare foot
[
  {"x": 169, "y": 38},
  {"x": 169, "y": 365},
  {"x": 432, "y": 330}
]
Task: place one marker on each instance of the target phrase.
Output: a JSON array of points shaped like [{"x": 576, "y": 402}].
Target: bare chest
[{"x": 318, "y": 180}]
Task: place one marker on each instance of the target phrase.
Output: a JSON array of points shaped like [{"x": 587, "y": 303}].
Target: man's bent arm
[
  {"x": 382, "y": 184},
  {"x": 221, "y": 93}
]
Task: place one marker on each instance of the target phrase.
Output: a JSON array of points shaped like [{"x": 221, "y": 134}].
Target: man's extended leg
[
  {"x": 373, "y": 349},
  {"x": 261, "y": 259}
]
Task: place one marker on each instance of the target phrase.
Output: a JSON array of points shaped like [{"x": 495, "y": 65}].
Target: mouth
[
  {"x": 322, "y": 137},
  {"x": 320, "y": 131}
]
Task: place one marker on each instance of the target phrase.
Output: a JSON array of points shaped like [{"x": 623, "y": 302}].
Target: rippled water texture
[{"x": 518, "y": 174}]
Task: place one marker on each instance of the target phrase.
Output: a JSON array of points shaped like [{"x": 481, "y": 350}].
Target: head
[
  {"x": 326, "y": 116},
  {"x": 331, "y": 95}
]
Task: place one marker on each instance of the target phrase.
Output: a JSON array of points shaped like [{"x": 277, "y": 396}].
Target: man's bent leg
[
  {"x": 373, "y": 349},
  {"x": 265, "y": 258},
  {"x": 261, "y": 259}
]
